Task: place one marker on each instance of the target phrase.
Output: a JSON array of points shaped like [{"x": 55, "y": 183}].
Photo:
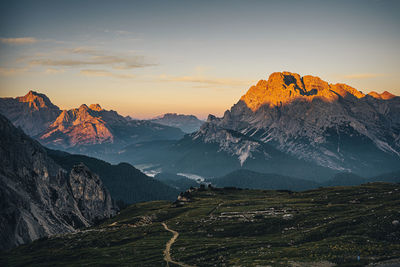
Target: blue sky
[{"x": 144, "y": 58}]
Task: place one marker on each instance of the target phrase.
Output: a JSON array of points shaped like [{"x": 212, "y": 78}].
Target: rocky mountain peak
[
  {"x": 95, "y": 107},
  {"x": 81, "y": 125},
  {"x": 83, "y": 107},
  {"x": 284, "y": 87},
  {"x": 387, "y": 95},
  {"x": 384, "y": 96},
  {"x": 33, "y": 112},
  {"x": 37, "y": 101}
]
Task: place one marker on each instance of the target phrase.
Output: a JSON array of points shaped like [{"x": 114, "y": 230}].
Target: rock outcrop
[
  {"x": 33, "y": 112},
  {"x": 38, "y": 197}
]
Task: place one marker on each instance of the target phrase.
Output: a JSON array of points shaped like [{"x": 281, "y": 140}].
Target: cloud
[
  {"x": 84, "y": 50},
  {"x": 19, "y": 41},
  {"x": 105, "y": 73},
  {"x": 84, "y": 56},
  {"x": 54, "y": 71},
  {"x": 11, "y": 71},
  {"x": 363, "y": 75},
  {"x": 62, "y": 62},
  {"x": 208, "y": 82}
]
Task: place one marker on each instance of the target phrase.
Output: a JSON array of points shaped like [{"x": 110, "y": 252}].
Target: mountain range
[
  {"x": 89, "y": 129},
  {"x": 289, "y": 125}
]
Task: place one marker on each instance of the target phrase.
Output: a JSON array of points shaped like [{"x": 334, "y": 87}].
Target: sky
[{"x": 146, "y": 58}]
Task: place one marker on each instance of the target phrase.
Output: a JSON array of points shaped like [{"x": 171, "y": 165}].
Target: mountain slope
[
  {"x": 33, "y": 112},
  {"x": 214, "y": 152},
  {"x": 187, "y": 123},
  {"x": 179, "y": 182},
  {"x": 346, "y": 179},
  {"x": 255, "y": 180},
  {"x": 124, "y": 182},
  {"x": 38, "y": 197}
]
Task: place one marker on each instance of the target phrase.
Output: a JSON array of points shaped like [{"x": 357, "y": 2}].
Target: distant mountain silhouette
[{"x": 187, "y": 123}]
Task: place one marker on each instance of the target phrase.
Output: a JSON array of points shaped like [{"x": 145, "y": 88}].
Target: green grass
[{"x": 329, "y": 224}]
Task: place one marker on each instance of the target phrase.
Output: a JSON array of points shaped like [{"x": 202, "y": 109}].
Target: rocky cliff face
[
  {"x": 333, "y": 125},
  {"x": 38, "y": 197},
  {"x": 33, "y": 112},
  {"x": 80, "y": 126},
  {"x": 92, "y": 197}
]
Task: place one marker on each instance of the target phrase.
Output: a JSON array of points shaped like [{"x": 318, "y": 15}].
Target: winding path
[{"x": 167, "y": 250}]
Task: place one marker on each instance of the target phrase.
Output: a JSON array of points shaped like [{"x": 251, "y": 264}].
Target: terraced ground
[{"x": 231, "y": 227}]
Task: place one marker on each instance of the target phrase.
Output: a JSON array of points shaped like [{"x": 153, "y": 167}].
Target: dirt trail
[{"x": 167, "y": 251}]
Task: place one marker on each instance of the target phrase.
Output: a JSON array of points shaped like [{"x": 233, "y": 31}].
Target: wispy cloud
[
  {"x": 105, "y": 73},
  {"x": 11, "y": 71},
  {"x": 85, "y": 56},
  {"x": 83, "y": 50},
  {"x": 205, "y": 81},
  {"x": 19, "y": 40},
  {"x": 363, "y": 75},
  {"x": 54, "y": 71}
]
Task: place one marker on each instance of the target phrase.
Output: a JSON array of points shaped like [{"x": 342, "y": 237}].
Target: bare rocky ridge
[
  {"x": 333, "y": 125},
  {"x": 38, "y": 197},
  {"x": 33, "y": 112}
]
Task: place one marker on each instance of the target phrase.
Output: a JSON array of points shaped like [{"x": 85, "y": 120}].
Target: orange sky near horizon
[{"x": 146, "y": 58}]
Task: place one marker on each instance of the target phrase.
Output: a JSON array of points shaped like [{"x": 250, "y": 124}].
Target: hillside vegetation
[{"x": 226, "y": 227}]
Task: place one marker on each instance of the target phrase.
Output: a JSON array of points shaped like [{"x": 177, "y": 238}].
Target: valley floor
[{"x": 337, "y": 226}]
